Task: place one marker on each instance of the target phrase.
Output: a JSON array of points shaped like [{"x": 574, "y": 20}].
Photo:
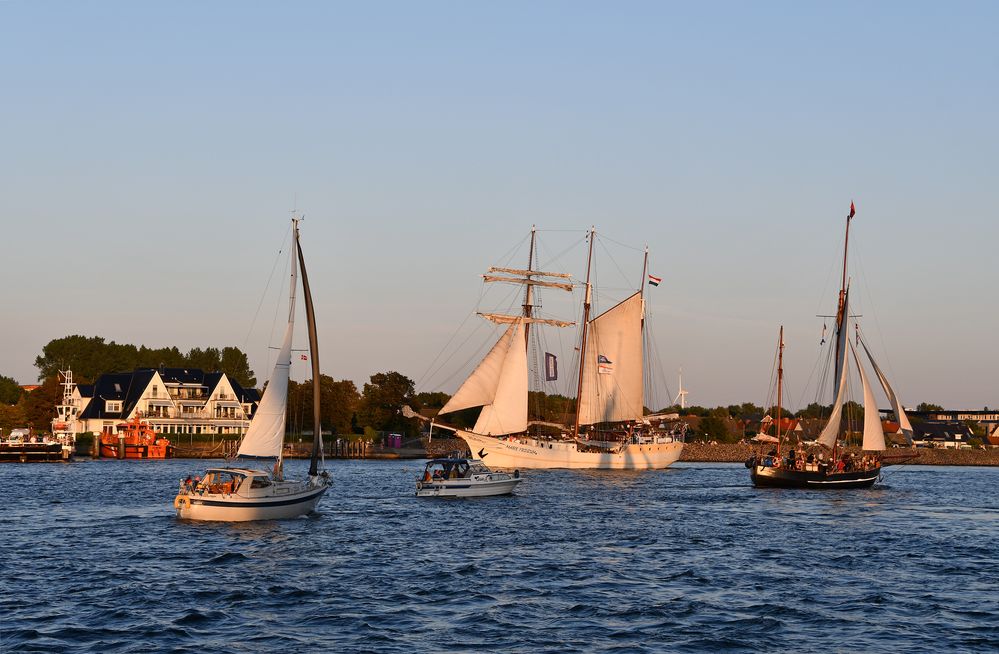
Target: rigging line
[
  {"x": 477, "y": 355},
  {"x": 613, "y": 261},
  {"x": 624, "y": 245},
  {"x": 431, "y": 371},
  {"x": 286, "y": 274},
  {"x": 454, "y": 334},
  {"x": 263, "y": 295},
  {"x": 554, "y": 263},
  {"x": 873, "y": 308}
]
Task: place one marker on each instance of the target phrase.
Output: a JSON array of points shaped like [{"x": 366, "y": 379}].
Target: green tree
[
  {"x": 926, "y": 406},
  {"x": 715, "y": 429},
  {"x": 90, "y": 356},
  {"x": 12, "y": 416},
  {"x": 39, "y": 405},
  {"x": 10, "y": 390},
  {"x": 235, "y": 364},
  {"x": 382, "y": 401},
  {"x": 815, "y": 410},
  {"x": 338, "y": 401}
]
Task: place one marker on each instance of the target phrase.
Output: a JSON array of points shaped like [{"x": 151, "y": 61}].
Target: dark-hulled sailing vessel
[{"x": 832, "y": 466}]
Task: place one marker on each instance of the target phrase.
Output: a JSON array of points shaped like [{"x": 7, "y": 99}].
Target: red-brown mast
[{"x": 582, "y": 345}]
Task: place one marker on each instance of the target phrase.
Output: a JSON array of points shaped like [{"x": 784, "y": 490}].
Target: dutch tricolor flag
[{"x": 654, "y": 281}]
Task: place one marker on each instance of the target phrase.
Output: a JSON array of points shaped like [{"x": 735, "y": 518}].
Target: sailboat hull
[
  {"x": 235, "y": 508},
  {"x": 783, "y": 478},
  {"x": 540, "y": 454}
]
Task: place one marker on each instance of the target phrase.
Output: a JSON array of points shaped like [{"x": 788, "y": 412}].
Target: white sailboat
[
  {"x": 610, "y": 429},
  {"x": 236, "y": 494}
]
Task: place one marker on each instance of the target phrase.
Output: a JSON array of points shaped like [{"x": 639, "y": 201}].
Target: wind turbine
[{"x": 681, "y": 397}]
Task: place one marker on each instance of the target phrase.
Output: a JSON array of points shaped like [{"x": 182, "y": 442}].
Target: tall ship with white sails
[{"x": 610, "y": 428}]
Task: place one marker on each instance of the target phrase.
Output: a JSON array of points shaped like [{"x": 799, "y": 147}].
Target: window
[{"x": 112, "y": 405}]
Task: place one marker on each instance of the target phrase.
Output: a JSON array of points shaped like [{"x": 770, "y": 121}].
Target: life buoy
[
  {"x": 419, "y": 485},
  {"x": 182, "y": 502}
]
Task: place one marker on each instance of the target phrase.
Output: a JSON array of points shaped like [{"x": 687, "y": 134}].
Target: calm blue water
[{"x": 689, "y": 559}]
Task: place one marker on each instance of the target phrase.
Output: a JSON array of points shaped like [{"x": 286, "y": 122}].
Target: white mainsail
[
  {"x": 903, "y": 420},
  {"x": 499, "y": 385},
  {"x": 874, "y": 435},
  {"x": 265, "y": 436},
  {"x": 612, "y": 388},
  {"x": 831, "y": 431}
]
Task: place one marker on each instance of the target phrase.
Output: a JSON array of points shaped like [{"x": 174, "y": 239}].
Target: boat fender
[
  {"x": 419, "y": 485},
  {"x": 516, "y": 474}
]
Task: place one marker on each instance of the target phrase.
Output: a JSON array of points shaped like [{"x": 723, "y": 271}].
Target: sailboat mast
[
  {"x": 310, "y": 316},
  {"x": 528, "y": 293},
  {"x": 582, "y": 345},
  {"x": 840, "y": 318},
  {"x": 780, "y": 382}
]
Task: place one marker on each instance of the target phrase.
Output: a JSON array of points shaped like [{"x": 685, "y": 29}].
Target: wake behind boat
[
  {"x": 609, "y": 428},
  {"x": 237, "y": 494},
  {"x": 827, "y": 464}
]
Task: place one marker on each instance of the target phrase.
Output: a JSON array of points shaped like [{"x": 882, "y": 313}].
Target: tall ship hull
[{"x": 533, "y": 453}]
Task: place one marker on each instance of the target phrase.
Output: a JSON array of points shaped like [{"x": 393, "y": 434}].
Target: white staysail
[
  {"x": 612, "y": 387},
  {"x": 265, "y": 437},
  {"x": 507, "y": 414},
  {"x": 874, "y": 435},
  {"x": 831, "y": 431},
  {"x": 498, "y": 385},
  {"x": 903, "y": 420}
]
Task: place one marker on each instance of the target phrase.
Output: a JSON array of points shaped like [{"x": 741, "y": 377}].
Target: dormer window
[{"x": 112, "y": 405}]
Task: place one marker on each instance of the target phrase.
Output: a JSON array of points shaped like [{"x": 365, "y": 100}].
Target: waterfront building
[{"x": 171, "y": 400}]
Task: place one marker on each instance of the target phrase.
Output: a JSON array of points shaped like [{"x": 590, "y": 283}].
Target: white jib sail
[
  {"x": 265, "y": 437},
  {"x": 499, "y": 385},
  {"x": 874, "y": 435},
  {"x": 507, "y": 414},
  {"x": 612, "y": 387},
  {"x": 831, "y": 431},
  {"x": 903, "y": 420}
]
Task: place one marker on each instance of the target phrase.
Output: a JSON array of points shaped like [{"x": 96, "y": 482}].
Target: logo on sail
[{"x": 604, "y": 365}]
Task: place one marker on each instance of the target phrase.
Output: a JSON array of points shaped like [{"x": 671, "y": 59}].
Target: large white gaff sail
[
  {"x": 874, "y": 435},
  {"x": 903, "y": 420},
  {"x": 265, "y": 437},
  {"x": 831, "y": 431},
  {"x": 499, "y": 385},
  {"x": 612, "y": 388}
]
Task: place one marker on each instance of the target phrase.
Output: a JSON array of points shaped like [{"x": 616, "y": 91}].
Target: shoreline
[{"x": 692, "y": 453}]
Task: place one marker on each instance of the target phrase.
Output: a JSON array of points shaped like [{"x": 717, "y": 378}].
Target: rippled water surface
[{"x": 688, "y": 559}]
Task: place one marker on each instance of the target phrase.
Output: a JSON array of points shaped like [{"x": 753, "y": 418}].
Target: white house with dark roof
[{"x": 171, "y": 400}]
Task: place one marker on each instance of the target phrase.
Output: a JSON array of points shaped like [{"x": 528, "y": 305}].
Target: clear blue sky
[{"x": 151, "y": 153}]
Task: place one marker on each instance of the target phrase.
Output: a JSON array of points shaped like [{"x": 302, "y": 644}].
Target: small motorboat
[{"x": 459, "y": 477}]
